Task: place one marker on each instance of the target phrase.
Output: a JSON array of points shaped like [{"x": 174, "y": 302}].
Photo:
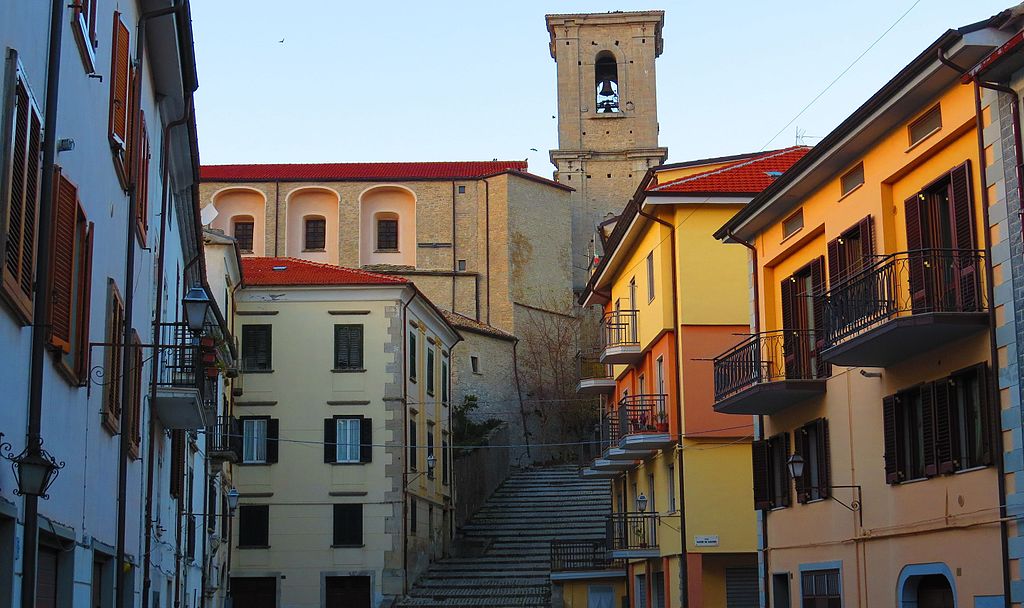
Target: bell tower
[{"x": 607, "y": 115}]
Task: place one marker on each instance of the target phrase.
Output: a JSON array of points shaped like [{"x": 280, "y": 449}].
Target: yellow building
[
  {"x": 680, "y": 533},
  {"x": 871, "y": 363},
  {"x": 345, "y": 477}
]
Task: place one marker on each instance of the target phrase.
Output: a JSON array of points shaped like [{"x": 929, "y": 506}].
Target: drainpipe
[
  {"x": 405, "y": 451},
  {"x": 44, "y": 270},
  {"x": 990, "y": 288},
  {"x": 759, "y": 435},
  {"x": 684, "y": 575},
  {"x": 129, "y": 302},
  {"x": 153, "y": 368}
]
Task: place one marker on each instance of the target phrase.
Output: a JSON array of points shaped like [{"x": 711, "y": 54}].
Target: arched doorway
[
  {"x": 933, "y": 591},
  {"x": 926, "y": 586}
]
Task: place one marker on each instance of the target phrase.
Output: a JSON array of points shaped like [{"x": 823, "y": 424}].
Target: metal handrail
[
  {"x": 179, "y": 364},
  {"x": 632, "y": 531},
  {"x": 225, "y": 436},
  {"x": 569, "y": 555},
  {"x": 642, "y": 414},
  {"x": 589, "y": 367},
  {"x": 618, "y": 328},
  {"x": 770, "y": 356},
  {"x": 905, "y": 283}
]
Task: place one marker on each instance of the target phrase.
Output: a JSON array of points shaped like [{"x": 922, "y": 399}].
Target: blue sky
[{"x": 393, "y": 81}]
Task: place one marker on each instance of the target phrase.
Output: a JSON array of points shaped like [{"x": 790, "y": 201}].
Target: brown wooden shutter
[
  {"x": 22, "y": 203},
  {"x": 962, "y": 212},
  {"x": 366, "y": 440},
  {"x": 330, "y": 440},
  {"x": 818, "y": 299},
  {"x": 120, "y": 65},
  {"x": 62, "y": 247},
  {"x": 800, "y": 447},
  {"x": 916, "y": 261},
  {"x": 112, "y": 367},
  {"x": 84, "y": 307},
  {"x": 928, "y": 429},
  {"x": 141, "y": 165},
  {"x": 177, "y": 463},
  {"x": 790, "y": 340},
  {"x": 890, "y": 429},
  {"x": 867, "y": 243},
  {"x": 135, "y": 413},
  {"x": 989, "y": 419},
  {"x": 760, "y": 457},
  {"x": 835, "y": 265},
  {"x": 943, "y": 422},
  {"x": 273, "y": 434},
  {"x": 824, "y": 463}
]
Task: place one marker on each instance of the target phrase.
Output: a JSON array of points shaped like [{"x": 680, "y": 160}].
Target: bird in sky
[{"x": 281, "y": 41}]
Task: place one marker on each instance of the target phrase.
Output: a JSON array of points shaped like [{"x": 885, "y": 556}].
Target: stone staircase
[{"x": 505, "y": 548}]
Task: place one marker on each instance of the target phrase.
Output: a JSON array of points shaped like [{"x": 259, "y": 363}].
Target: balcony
[
  {"x": 583, "y": 559},
  {"x": 633, "y": 535},
  {"x": 903, "y": 305},
  {"x": 224, "y": 440},
  {"x": 643, "y": 424},
  {"x": 179, "y": 402},
  {"x": 768, "y": 372},
  {"x": 619, "y": 338},
  {"x": 595, "y": 378}
]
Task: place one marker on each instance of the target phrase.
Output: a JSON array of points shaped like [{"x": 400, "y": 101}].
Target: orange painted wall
[
  {"x": 701, "y": 342},
  {"x": 663, "y": 346}
]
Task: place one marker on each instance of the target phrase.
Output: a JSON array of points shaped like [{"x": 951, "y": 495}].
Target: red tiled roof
[
  {"x": 292, "y": 271},
  {"x": 359, "y": 171},
  {"x": 460, "y": 321},
  {"x": 749, "y": 176}
]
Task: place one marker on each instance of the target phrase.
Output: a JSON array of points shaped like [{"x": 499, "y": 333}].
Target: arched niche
[
  {"x": 241, "y": 213},
  {"x": 387, "y": 216},
  {"x": 305, "y": 208}
]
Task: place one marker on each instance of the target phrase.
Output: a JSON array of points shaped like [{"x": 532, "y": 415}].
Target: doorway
[
  {"x": 254, "y": 592},
  {"x": 347, "y": 592}
]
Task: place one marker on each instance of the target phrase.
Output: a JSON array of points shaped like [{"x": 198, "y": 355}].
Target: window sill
[
  {"x": 778, "y": 508},
  {"x": 619, "y": 114},
  {"x": 348, "y": 464},
  {"x": 253, "y": 546},
  {"x": 348, "y": 370},
  {"x": 972, "y": 469},
  {"x": 320, "y": 250},
  {"x": 850, "y": 191},
  {"x": 257, "y": 371},
  {"x": 347, "y": 546},
  {"x": 914, "y": 480},
  {"x": 387, "y": 251},
  {"x": 254, "y": 464}
]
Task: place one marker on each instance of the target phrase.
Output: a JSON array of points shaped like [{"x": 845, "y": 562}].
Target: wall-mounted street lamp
[
  {"x": 796, "y": 464},
  {"x": 35, "y": 469},
  {"x": 641, "y": 503},
  {"x": 431, "y": 463},
  {"x": 195, "y": 304},
  {"x": 232, "y": 500}
]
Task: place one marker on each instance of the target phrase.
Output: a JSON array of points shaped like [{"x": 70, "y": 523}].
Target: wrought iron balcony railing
[
  {"x": 904, "y": 284},
  {"x": 618, "y": 328},
  {"x": 609, "y": 430},
  {"x": 633, "y": 531},
  {"x": 179, "y": 364},
  {"x": 582, "y": 555},
  {"x": 589, "y": 367},
  {"x": 642, "y": 414},
  {"x": 772, "y": 356},
  {"x": 224, "y": 439}
]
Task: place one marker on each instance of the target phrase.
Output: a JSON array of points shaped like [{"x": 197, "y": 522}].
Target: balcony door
[
  {"x": 942, "y": 269},
  {"x": 802, "y": 321}
]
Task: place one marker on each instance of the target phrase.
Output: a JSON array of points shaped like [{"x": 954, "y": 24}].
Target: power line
[{"x": 841, "y": 74}]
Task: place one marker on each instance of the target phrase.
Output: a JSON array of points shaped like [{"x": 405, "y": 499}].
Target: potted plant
[{"x": 662, "y": 425}]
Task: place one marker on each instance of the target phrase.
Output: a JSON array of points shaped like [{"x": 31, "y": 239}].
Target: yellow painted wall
[
  {"x": 714, "y": 277},
  {"x": 574, "y": 593},
  {"x": 719, "y": 494}
]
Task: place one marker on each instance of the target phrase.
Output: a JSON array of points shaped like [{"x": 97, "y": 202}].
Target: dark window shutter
[
  {"x": 784, "y": 467},
  {"x": 348, "y": 525},
  {"x": 120, "y": 50},
  {"x": 256, "y": 347},
  {"x": 867, "y": 242},
  {"x": 760, "y": 457},
  {"x": 790, "y": 340},
  {"x": 85, "y": 293},
  {"x": 348, "y": 346},
  {"x": 962, "y": 211},
  {"x": 254, "y": 526},
  {"x": 800, "y": 447},
  {"x": 943, "y": 421},
  {"x": 366, "y": 440},
  {"x": 818, "y": 300},
  {"x": 889, "y": 427},
  {"x": 824, "y": 463},
  {"x": 330, "y": 440},
  {"x": 62, "y": 247},
  {"x": 273, "y": 428},
  {"x": 915, "y": 240},
  {"x": 928, "y": 430},
  {"x": 987, "y": 416},
  {"x": 835, "y": 265}
]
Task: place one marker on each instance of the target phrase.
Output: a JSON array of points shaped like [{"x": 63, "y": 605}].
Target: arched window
[
  {"x": 606, "y": 83},
  {"x": 387, "y": 232},
  {"x": 242, "y": 229},
  {"x": 315, "y": 233}
]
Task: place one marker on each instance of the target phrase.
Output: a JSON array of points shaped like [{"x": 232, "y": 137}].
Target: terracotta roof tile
[
  {"x": 463, "y": 322},
  {"x": 359, "y": 171},
  {"x": 292, "y": 271},
  {"x": 749, "y": 176}
]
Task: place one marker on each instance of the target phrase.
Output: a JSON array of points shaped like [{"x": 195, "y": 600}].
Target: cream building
[{"x": 345, "y": 482}]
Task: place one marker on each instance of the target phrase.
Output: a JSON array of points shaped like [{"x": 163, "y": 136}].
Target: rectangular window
[
  {"x": 640, "y": 591},
  {"x": 820, "y": 589},
  {"x": 632, "y": 293},
  {"x": 792, "y": 223},
  {"x": 412, "y": 515},
  {"x": 254, "y": 526},
  {"x": 112, "y": 360},
  {"x": 444, "y": 381},
  {"x": 462, "y": 189},
  {"x": 243, "y": 231},
  {"x": 811, "y": 442},
  {"x": 84, "y": 29},
  {"x": 254, "y": 440},
  {"x": 140, "y": 165},
  {"x": 462, "y": 265},
  {"x": 924, "y": 126},
  {"x": 20, "y": 181},
  {"x": 348, "y": 526},
  {"x": 349, "y": 430},
  {"x": 650, "y": 277},
  {"x": 430, "y": 370},
  {"x": 412, "y": 445},
  {"x": 803, "y": 315},
  {"x": 348, "y": 347},
  {"x": 316, "y": 234},
  {"x": 137, "y": 361},
  {"x": 412, "y": 356},
  {"x": 120, "y": 97},
  {"x": 780, "y": 590},
  {"x": 387, "y": 234},
  {"x": 851, "y": 179},
  {"x": 851, "y": 252},
  {"x": 971, "y": 444},
  {"x": 659, "y": 375},
  {"x": 771, "y": 474},
  {"x": 256, "y": 348},
  {"x": 430, "y": 448},
  {"x": 474, "y": 364},
  {"x": 671, "y": 488}
]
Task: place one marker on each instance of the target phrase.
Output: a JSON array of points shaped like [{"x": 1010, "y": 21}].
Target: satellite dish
[{"x": 208, "y": 214}]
